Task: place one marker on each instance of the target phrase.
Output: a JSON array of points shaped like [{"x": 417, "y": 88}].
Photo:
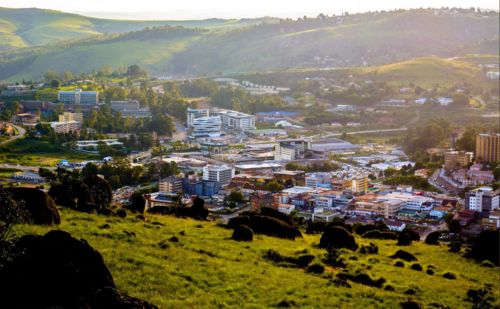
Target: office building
[
  {"x": 78, "y": 96},
  {"x": 482, "y": 199},
  {"x": 291, "y": 149},
  {"x": 235, "y": 120},
  {"x": 488, "y": 147},
  {"x": 206, "y": 127},
  {"x": 66, "y": 126},
  {"x": 194, "y": 113},
  {"x": 67, "y": 116},
  {"x": 456, "y": 159},
  {"x": 119, "y": 106},
  {"x": 218, "y": 173},
  {"x": 170, "y": 184}
]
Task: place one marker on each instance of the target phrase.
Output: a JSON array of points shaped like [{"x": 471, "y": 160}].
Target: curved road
[{"x": 21, "y": 132}]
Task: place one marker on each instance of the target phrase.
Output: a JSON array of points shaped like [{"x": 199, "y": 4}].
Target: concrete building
[
  {"x": 78, "y": 96},
  {"x": 291, "y": 149},
  {"x": 206, "y": 127},
  {"x": 456, "y": 159},
  {"x": 218, "y": 173},
  {"x": 27, "y": 118},
  {"x": 482, "y": 199},
  {"x": 234, "y": 120},
  {"x": 67, "y": 116},
  {"x": 194, "y": 113},
  {"x": 66, "y": 126},
  {"x": 170, "y": 184},
  {"x": 119, "y": 106},
  {"x": 488, "y": 147}
]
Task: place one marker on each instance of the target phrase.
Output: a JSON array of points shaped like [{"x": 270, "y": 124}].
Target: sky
[{"x": 199, "y": 9}]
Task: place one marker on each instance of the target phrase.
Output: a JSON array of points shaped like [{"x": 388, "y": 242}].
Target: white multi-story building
[
  {"x": 66, "y": 126},
  {"x": 170, "y": 184},
  {"x": 206, "y": 127},
  {"x": 67, "y": 116},
  {"x": 78, "y": 96},
  {"x": 218, "y": 173},
  {"x": 194, "y": 113},
  {"x": 482, "y": 199},
  {"x": 235, "y": 120},
  {"x": 291, "y": 149}
]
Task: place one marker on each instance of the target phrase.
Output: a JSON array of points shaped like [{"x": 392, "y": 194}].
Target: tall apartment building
[
  {"x": 488, "y": 147},
  {"x": 456, "y": 159},
  {"x": 78, "y": 96},
  {"x": 482, "y": 199},
  {"x": 235, "y": 120},
  {"x": 358, "y": 185},
  {"x": 67, "y": 116},
  {"x": 194, "y": 113},
  {"x": 170, "y": 184},
  {"x": 291, "y": 149},
  {"x": 218, "y": 173}
]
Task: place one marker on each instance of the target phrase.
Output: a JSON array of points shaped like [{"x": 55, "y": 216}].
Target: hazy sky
[{"x": 196, "y": 9}]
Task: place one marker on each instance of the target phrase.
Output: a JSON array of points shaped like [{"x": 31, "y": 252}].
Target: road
[
  {"x": 21, "y": 132},
  {"x": 360, "y": 132}
]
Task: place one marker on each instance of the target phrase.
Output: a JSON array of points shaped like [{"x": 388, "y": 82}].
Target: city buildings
[
  {"x": 218, "y": 173},
  {"x": 234, "y": 120},
  {"x": 78, "y": 96},
  {"x": 456, "y": 159},
  {"x": 291, "y": 149},
  {"x": 206, "y": 127},
  {"x": 194, "y": 113},
  {"x": 92, "y": 145},
  {"x": 171, "y": 185},
  {"x": 130, "y": 108},
  {"x": 488, "y": 147},
  {"x": 68, "y": 116},
  {"x": 482, "y": 199},
  {"x": 66, "y": 126},
  {"x": 27, "y": 118}
]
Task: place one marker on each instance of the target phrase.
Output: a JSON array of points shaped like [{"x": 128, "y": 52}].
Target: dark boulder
[
  {"x": 240, "y": 220},
  {"x": 111, "y": 298},
  {"x": 40, "y": 207},
  {"x": 271, "y": 212},
  {"x": 137, "y": 203},
  {"x": 273, "y": 227},
  {"x": 413, "y": 234},
  {"x": 433, "y": 238},
  {"x": 486, "y": 247},
  {"x": 52, "y": 270},
  {"x": 337, "y": 237},
  {"x": 404, "y": 239},
  {"x": 242, "y": 233},
  {"x": 404, "y": 255}
]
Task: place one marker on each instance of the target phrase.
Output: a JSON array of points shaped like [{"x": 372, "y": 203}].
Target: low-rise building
[
  {"x": 171, "y": 185},
  {"x": 68, "y": 116},
  {"x": 456, "y": 159},
  {"x": 66, "y": 126},
  {"x": 291, "y": 149},
  {"x": 27, "y": 118},
  {"x": 78, "y": 97}
]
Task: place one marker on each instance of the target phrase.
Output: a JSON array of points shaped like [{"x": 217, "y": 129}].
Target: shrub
[
  {"x": 122, "y": 213},
  {"x": 433, "y": 238},
  {"x": 273, "y": 227},
  {"x": 374, "y": 234},
  {"x": 333, "y": 258},
  {"x": 300, "y": 261},
  {"x": 413, "y": 235},
  {"x": 487, "y": 263},
  {"x": 315, "y": 227},
  {"x": 404, "y": 239},
  {"x": 337, "y": 237},
  {"x": 416, "y": 267},
  {"x": 37, "y": 205},
  {"x": 455, "y": 246},
  {"x": 370, "y": 249},
  {"x": 481, "y": 298},
  {"x": 486, "y": 247},
  {"x": 315, "y": 268},
  {"x": 450, "y": 276},
  {"x": 389, "y": 288},
  {"x": 94, "y": 195},
  {"x": 410, "y": 304},
  {"x": 137, "y": 203},
  {"x": 362, "y": 278},
  {"x": 362, "y": 229},
  {"x": 404, "y": 255},
  {"x": 389, "y": 235},
  {"x": 399, "y": 264},
  {"x": 430, "y": 271},
  {"x": 271, "y": 212},
  {"x": 239, "y": 220},
  {"x": 242, "y": 233}
]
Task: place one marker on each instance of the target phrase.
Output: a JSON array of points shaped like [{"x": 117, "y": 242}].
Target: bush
[
  {"x": 337, "y": 237},
  {"x": 413, "y": 235},
  {"x": 242, "y": 233},
  {"x": 122, "y": 213},
  {"x": 455, "y": 246},
  {"x": 430, "y": 271},
  {"x": 271, "y": 212},
  {"x": 273, "y": 227},
  {"x": 94, "y": 195},
  {"x": 362, "y": 278},
  {"x": 237, "y": 221},
  {"x": 404, "y": 239},
  {"x": 333, "y": 258},
  {"x": 486, "y": 247},
  {"x": 37, "y": 205},
  {"x": 410, "y": 304},
  {"x": 137, "y": 203},
  {"x": 399, "y": 264},
  {"x": 433, "y": 238},
  {"x": 315, "y": 227},
  {"x": 416, "y": 266},
  {"x": 362, "y": 229},
  {"x": 404, "y": 255},
  {"x": 450, "y": 276},
  {"x": 370, "y": 249},
  {"x": 315, "y": 269},
  {"x": 300, "y": 261},
  {"x": 374, "y": 234},
  {"x": 487, "y": 263}
]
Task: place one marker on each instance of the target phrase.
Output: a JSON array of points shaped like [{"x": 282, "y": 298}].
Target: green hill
[
  {"x": 33, "y": 27},
  {"x": 206, "y": 269},
  {"x": 255, "y": 45}
]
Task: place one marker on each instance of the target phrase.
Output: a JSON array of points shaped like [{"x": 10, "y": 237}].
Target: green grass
[
  {"x": 35, "y": 152},
  {"x": 208, "y": 270}
]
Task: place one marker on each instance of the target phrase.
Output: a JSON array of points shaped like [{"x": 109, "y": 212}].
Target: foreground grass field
[{"x": 208, "y": 269}]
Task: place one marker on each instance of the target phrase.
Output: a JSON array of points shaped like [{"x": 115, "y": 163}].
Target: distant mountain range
[{"x": 33, "y": 41}]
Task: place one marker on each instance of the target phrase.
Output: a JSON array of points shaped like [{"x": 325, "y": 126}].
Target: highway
[{"x": 21, "y": 132}]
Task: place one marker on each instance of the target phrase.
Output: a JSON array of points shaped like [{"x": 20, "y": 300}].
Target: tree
[
  {"x": 274, "y": 186},
  {"x": 236, "y": 197},
  {"x": 68, "y": 76},
  {"x": 135, "y": 71},
  {"x": 10, "y": 214},
  {"x": 50, "y": 75},
  {"x": 55, "y": 83}
]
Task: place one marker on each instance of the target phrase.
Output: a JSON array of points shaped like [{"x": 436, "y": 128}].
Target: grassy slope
[{"x": 207, "y": 269}]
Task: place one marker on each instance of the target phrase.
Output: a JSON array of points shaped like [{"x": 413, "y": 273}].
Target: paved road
[{"x": 21, "y": 132}]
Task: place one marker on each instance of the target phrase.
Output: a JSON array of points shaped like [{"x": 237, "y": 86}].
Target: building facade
[
  {"x": 67, "y": 116},
  {"x": 194, "y": 113},
  {"x": 488, "y": 147},
  {"x": 78, "y": 96},
  {"x": 456, "y": 159},
  {"x": 171, "y": 184},
  {"x": 206, "y": 127},
  {"x": 218, "y": 173}
]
